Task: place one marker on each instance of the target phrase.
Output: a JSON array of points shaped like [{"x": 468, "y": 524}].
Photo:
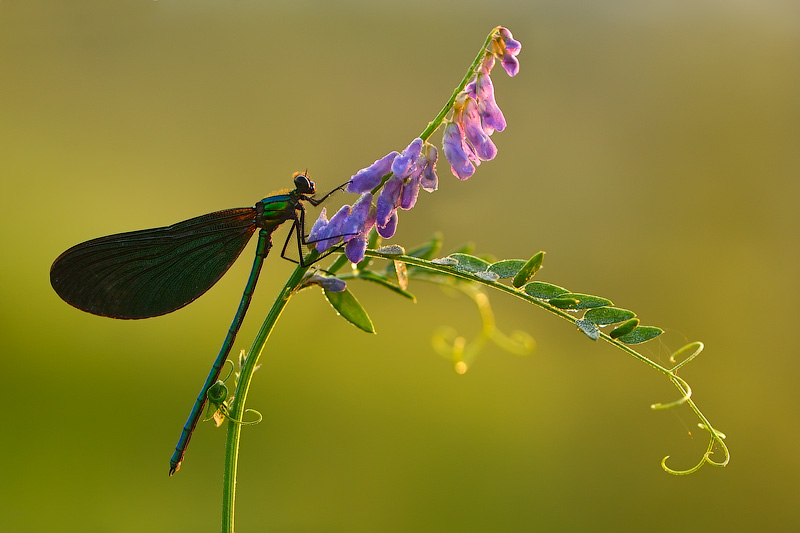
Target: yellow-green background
[{"x": 652, "y": 151}]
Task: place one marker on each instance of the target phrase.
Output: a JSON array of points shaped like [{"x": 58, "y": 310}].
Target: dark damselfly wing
[{"x": 152, "y": 272}]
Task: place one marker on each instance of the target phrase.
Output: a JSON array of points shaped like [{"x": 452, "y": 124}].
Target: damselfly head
[{"x": 303, "y": 183}]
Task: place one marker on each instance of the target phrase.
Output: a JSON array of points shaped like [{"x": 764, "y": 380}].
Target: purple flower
[
  {"x": 368, "y": 178},
  {"x": 325, "y": 235},
  {"x": 470, "y": 88},
  {"x": 406, "y": 161},
  {"x": 329, "y": 283},
  {"x": 355, "y": 248},
  {"x": 388, "y": 200},
  {"x": 507, "y": 49},
  {"x": 466, "y": 142},
  {"x": 456, "y": 151},
  {"x": 349, "y": 224},
  {"x": 476, "y": 116},
  {"x": 408, "y": 196},
  {"x": 387, "y": 231},
  {"x": 423, "y": 170},
  {"x": 512, "y": 47},
  {"x": 410, "y": 169},
  {"x": 357, "y": 219},
  {"x": 510, "y": 64},
  {"x": 358, "y": 225},
  {"x": 402, "y": 189},
  {"x": 470, "y": 121},
  {"x": 491, "y": 116},
  {"x": 429, "y": 181},
  {"x": 319, "y": 225}
]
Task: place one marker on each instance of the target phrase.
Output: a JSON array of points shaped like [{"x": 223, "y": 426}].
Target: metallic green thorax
[{"x": 273, "y": 211}]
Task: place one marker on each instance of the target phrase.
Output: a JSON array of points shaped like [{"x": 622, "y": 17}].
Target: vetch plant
[
  {"x": 392, "y": 183},
  {"x": 93, "y": 277}
]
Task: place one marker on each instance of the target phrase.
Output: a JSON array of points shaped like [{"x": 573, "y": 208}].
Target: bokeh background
[{"x": 652, "y": 151}]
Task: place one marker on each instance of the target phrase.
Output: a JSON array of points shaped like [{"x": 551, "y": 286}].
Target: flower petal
[
  {"x": 469, "y": 89},
  {"x": 491, "y": 116},
  {"x": 319, "y": 226},
  {"x": 455, "y": 151},
  {"x": 512, "y": 46},
  {"x": 387, "y": 230},
  {"x": 333, "y": 231},
  {"x": 388, "y": 200},
  {"x": 354, "y": 249},
  {"x": 402, "y": 164},
  {"x": 470, "y": 120},
  {"x": 354, "y": 225},
  {"x": 510, "y": 65},
  {"x": 368, "y": 178},
  {"x": 429, "y": 181},
  {"x": 505, "y": 47},
  {"x": 408, "y": 196},
  {"x": 329, "y": 283}
]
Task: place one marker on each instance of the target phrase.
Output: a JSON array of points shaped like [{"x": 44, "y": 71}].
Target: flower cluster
[
  {"x": 352, "y": 224},
  {"x": 476, "y": 117},
  {"x": 399, "y": 176},
  {"x": 415, "y": 167}
]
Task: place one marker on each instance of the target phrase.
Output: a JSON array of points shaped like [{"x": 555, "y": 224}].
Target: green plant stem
[
  {"x": 243, "y": 385},
  {"x": 436, "y": 122},
  {"x": 242, "y": 388}
]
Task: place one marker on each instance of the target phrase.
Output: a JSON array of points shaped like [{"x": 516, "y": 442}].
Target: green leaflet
[
  {"x": 348, "y": 308},
  {"x": 641, "y": 334},
  {"x": 544, "y": 291},
  {"x": 488, "y": 276},
  {"x": 506, "y": 268},
  {"x": 624, "y": 328},
  {"x": 563, "y": 303},
  {"x": 391, "y": 249},
  {"x": 589, "y": 328},
  {"x": 602, "y": 316},
  {"x": 582, "y": 301},
  {"x": 470, "y": 263},
  {"x": 528, "y": 270}
]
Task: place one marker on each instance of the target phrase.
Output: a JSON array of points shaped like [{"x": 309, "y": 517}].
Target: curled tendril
[
  {"x": 697, "y": 346},
  {"x": 684, "y": 387},
  {"x": 218, "y": 399},
  {"x": 233, "y": 367},
  {"x": 225, "y": 413},
  {"x": 518, "y": 343},
  {"x": 717, "y": 439},
  {"x": 452, "y": 346},
  {"x": 222, "y": 411}
]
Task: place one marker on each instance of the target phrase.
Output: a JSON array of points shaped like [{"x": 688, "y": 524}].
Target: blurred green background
[{"x": 652, "y": 151}]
